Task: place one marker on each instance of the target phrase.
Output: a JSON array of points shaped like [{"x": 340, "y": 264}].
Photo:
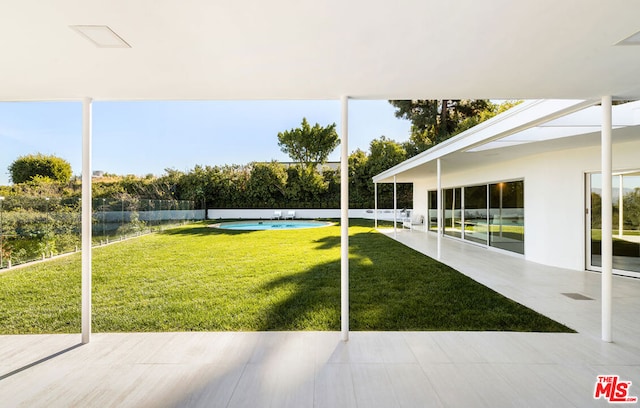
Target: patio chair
[
  {"x": 414, "y": 222},
  {"x": 290, "y": 214},
  {"x": 277, "y": 215},
  {"x": 405, "y": 218}
]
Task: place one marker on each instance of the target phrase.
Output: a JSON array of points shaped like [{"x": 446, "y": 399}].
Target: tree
[
  {"x": 304, "y": 186},
  {"x": 40, "y": 167},
  {"x": 309, "y": 145},
  {"x": 434, "y": 121},
  {"x": 384, "y": 154},
  {"x": 631, "y": 207},
  {"x": 360, "y": 193},
  {"x": 266, "y": 184}
]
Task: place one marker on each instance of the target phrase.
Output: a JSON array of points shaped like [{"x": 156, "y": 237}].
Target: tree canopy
[
  {"x": 39, "y": 166},
  {"x": 309, "y": 145},
  {"x": 434, "y": 121},
  {"x": 384, "y": 153}
]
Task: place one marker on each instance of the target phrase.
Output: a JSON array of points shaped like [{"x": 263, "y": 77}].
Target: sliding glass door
[
  {"x": 432, "y": 199},
  {"x": 506, "y": 216},
  {"x": 453, "y": 212},
  {"x": 487, "y": 214},
  {"x": 625, "y": 225},
  {"x": 475, "y": 214}
]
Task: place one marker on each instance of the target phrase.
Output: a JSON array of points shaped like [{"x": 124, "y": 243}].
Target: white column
[
  {"x": 375, "y": 204},
  {"x": 86, "y": 220},
  {"x": 607, "y": 220},
  {"x": 344, "y": 221},
  {"x": 439, "y": 198},
  {"x": 395, "y": 208}
]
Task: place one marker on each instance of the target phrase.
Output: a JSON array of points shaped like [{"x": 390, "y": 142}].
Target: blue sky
[{"x": 148, "y": 137}]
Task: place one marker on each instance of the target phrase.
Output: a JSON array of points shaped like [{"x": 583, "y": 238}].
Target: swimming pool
[{"x": 259, "y": 225}]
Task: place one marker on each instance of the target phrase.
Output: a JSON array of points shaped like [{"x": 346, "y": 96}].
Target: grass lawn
[{"x": 200, "y": 278}]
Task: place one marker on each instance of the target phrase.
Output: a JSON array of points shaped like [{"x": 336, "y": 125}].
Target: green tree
[
  {"x": 309, "y": 145},
  {"x": 266, "y": 184},
  {"x": 384, "y": 153},
  {"x": 305, "y": 187},
  {"x": 40, "y": 167},
  {"x": 631, "y": 212},
  {"x": 360, "y": 185},
  {"x": 434, "y": 121}
]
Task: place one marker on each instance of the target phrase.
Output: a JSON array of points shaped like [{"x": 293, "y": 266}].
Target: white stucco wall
[{"x": 555, "y": 219}]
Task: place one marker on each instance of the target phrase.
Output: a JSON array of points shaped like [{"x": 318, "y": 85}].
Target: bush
[{"x": 39, "y": 167}]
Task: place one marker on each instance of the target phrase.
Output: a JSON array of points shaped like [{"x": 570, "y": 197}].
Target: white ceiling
[{"x": 320, "y": 49}]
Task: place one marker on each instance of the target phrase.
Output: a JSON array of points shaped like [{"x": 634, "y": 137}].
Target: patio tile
[
  {"x": 412, "y": 387},
  {"x": 275, "y": 384},
  {"x": 451, "y": 391},
  {"x": 334, "y": 387},
  {"x": 372, "y": 386},
  {"x": 425, "y": 348}
]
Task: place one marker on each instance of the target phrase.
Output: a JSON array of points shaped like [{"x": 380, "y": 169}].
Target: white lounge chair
[
  {"x": 290, "y": 214},
  {"x": 277, "y": 215},
  {"x": 414, "y": 222}
]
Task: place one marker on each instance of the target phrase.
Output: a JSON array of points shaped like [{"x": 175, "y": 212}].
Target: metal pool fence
[{"x": 35, "y": 228}]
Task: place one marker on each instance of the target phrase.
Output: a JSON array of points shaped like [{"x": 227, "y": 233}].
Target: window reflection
[
  {"x": 433, "y": 210},
  {"x": 475, "y": 214},
  {"x": 488, "y": 214},
  {"x": 506, "y": 216},
  {"x": 625, "y": 222},
  {"x": 453, "y": 212}
]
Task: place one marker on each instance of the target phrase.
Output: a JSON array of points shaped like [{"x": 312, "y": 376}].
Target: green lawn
[{"x": 200, "y": 278}]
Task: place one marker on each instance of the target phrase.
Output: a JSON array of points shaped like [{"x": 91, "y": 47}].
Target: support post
[
  {"x": 86, "y": 220},
  {"x": 439, "y": 198},
  {"x": 344, "y": 220},
  {"x": 395, "y": 208},
  {"x": 607, "y": 220},
  {"x": 375, "y": 204}
]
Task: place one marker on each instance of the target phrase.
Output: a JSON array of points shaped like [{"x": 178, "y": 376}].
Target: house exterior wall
[{"x": 554, "y": 194}]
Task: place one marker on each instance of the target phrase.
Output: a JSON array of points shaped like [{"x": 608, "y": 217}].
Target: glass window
[
  {"x": 452, "y": 212},
  {"x": 475, "y": 214},
  {"x": 433, "y": 210},
  {"x": 626, "y": 221},
  {"x": 506, "y": 216}
]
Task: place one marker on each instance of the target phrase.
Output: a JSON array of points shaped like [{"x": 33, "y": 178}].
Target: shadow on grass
[{"x": 393, "y": 287}]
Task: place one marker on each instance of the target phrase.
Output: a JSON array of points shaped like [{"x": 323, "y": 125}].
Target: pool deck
[{"x": 372, "y": 369}]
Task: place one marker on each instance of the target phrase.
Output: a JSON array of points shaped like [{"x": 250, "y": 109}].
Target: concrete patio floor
[{"x": 373, "y": 369}]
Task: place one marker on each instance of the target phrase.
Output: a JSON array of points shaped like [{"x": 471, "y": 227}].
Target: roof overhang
[
  {"x": 293, "y": 49},
  {"x": 532, "y": 127}
]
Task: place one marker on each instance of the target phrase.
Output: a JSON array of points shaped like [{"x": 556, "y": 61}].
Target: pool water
[{"x": 270, "y": 225}]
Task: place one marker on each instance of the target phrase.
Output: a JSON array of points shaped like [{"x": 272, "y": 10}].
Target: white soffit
[
  {"x": 585, "y": 121},
  {"x": 517, "y": 119}
]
